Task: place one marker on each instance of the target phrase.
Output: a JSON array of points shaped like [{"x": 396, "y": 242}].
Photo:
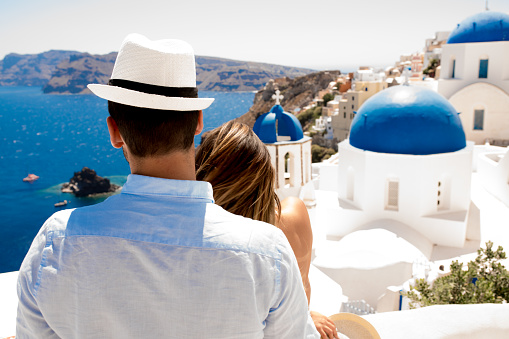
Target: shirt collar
[{"x": 144, "y": 185}]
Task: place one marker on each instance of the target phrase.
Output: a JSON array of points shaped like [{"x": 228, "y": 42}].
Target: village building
[
  {"x": 433, "y": 47},
  {"x": 474, "y": 76},
  {"x": 402, "y": 178},
  {"x": 366, "y": 83}
]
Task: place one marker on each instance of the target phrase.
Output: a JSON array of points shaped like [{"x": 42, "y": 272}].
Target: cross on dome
[{"x": 277, "y": 96}]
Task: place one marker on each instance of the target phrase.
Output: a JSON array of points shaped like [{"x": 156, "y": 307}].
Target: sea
[{"x": 54, "y": 136}]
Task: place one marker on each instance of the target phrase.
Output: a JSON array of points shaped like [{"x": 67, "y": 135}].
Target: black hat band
[{"x": 182, "y": 92}]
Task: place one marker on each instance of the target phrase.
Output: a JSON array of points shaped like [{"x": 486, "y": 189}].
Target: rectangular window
[
  {"x": 392, "y": 195},
  {"x": 453, "y": 68},
  {"x": 483, "y": 69},
  {"x": 344, "y": 115},
  {"x": 479, "y": 119}
]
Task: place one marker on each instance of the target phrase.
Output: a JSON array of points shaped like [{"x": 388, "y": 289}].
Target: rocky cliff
[
  {"x": 30, "y": 69},
  {"x": 217, "y": 74},
  {"x": 298, "y": 92},
  {"x": 73, "y": 75},
  {"x": 66, "y": 72}
]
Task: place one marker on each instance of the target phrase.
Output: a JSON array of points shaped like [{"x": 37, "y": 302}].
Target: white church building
[
  {"x": 290, "y": 151},
  {"x": 400, "y": 188},
  {"x": 475, "y": 76},
  {"x": 406, "y": 161}
]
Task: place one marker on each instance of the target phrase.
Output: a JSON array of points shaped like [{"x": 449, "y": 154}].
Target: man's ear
[
  {"x": 115, "y": 137},
  {"x": 199, "y": 127}
]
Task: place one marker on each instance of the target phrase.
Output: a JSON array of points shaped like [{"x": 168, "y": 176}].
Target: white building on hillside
[
  {"x": 433, "y": 48},
  {"x": 366, "y": 83},
  {"x": 406, "y": 161},
  {"x": 402, "y": 185},
  {"x": 475, "y": 76}
]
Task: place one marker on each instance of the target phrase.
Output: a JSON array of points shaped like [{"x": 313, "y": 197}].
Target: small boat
[
  {"x": 62, "y": 203},
  {"x": 31, "y": 178}
]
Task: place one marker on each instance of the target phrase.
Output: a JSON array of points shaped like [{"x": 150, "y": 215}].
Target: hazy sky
[{"x": 318, "y": 34}]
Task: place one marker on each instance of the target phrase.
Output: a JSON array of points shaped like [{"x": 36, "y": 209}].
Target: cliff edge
[{"x": 298, "y": 93}]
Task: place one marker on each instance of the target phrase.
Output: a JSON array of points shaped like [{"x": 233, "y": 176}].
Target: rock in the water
[{"x": 87, "y": 182}]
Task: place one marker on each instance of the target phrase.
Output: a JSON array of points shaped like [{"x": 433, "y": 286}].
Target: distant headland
[{"x": 69, "y": 72}]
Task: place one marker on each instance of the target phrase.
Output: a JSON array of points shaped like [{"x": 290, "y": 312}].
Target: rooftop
[
  {"x": 482, "y": 27},
  {"x": 407, "y": 120}
]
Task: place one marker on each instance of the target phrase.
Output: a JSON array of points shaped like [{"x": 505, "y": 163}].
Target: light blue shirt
[{"x": 160, "y": 260}]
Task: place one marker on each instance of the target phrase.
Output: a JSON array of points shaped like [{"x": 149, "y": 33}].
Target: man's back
[{"x": 160, "y": 260}]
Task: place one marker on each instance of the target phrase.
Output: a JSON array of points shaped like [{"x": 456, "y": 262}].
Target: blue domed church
[
  {"x": 474, "y": 76},
  {"x": 407, "y": 166},
  {"x": 289, "y": 149}
]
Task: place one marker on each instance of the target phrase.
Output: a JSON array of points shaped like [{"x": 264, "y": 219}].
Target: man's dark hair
[{"x": 151, "y": 132}]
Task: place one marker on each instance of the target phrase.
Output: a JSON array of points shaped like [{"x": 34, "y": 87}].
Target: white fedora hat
[{"x": 154, "y": 74}]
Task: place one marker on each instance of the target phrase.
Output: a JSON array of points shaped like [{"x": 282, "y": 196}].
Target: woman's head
[{"x": 238, "y": 166}]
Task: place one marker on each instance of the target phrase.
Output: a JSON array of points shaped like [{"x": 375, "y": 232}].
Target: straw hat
[
  {"x": 154, "y": 74},
  {"x": 353, "y": 326}
]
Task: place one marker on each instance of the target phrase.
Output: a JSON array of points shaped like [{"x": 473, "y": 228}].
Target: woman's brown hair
[{"x": 237, "y": 164}]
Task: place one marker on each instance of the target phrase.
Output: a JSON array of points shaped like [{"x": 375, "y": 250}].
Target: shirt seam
[
  {"x": 277, "y": 256},
  {"x": 199, "y": 197},
  {"x": 278, "y": 279},
  {"x": 49, "y": 240}
]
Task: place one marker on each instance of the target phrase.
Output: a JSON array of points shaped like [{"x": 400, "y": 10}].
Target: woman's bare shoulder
[
  {"x": 293, "y": 208},
  {"x": 295, "y": 217}
]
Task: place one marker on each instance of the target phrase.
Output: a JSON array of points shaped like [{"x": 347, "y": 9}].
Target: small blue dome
[
  {"x": 481, "y": 27},
  {"x": 287, "y": 125},
  {"x": 407, "y": 120}
]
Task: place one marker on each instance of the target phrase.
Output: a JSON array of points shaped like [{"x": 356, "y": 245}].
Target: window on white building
[
  {"x": 444, "y": 192},
  {"x": 392, "y": 195},
  {"x": 453, "y": 68},
  {"x": 483, "y": 68},
  {"x": 439, "y": 196},
  {"x": 289, "y": 170},
  {"x": 478, "y": 119}
]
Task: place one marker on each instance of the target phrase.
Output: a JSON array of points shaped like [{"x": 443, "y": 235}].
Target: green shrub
[
  {"x": 309, "y": 115},
  {"x": 432, "y": 67},
  {"x": 319, "y": 153},
  {"x": 485, "y": 281},
  {"x": 326, "y": 98}
]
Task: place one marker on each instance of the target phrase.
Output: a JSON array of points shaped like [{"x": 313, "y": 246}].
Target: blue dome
[
  {"x": 287, "y": 125},
  {"x": 407, "y": 120},
  {"x": 482, "y": 27}
]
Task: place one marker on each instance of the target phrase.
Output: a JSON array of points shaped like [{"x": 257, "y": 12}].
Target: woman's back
[{"x": 295, "y": 224}]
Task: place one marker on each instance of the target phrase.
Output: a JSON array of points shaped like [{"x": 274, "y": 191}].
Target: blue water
[{"x": 54, "y": 136}]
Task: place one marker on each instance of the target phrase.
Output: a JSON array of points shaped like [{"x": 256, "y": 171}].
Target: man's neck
[{"x": 176, "y": 165}]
